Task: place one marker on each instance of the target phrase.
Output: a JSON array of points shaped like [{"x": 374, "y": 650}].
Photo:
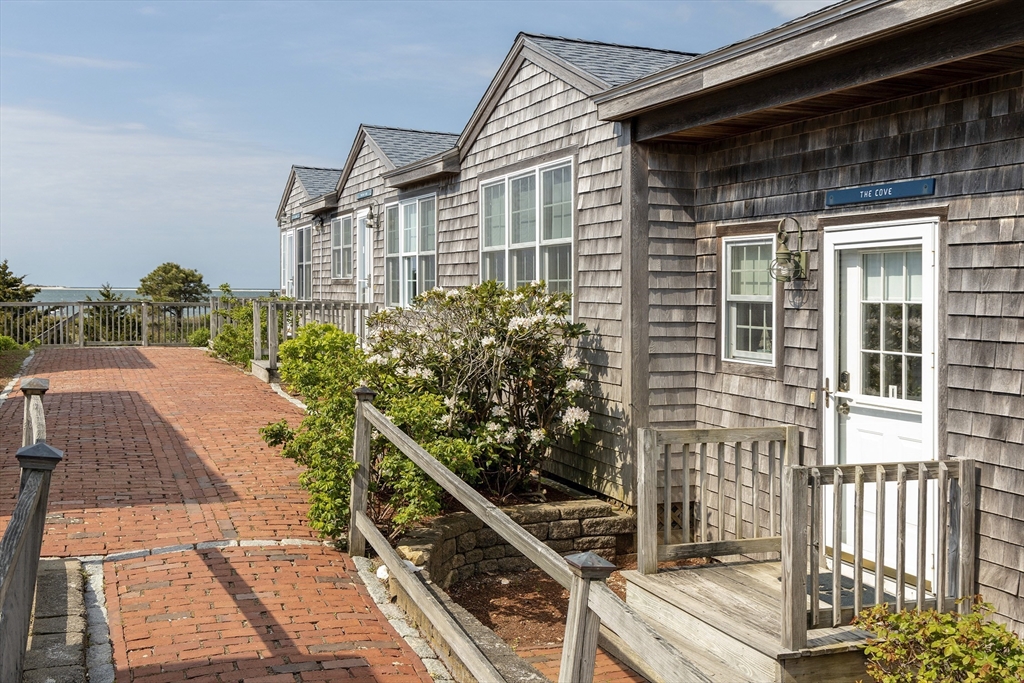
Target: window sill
[{"x": 734, "y": 367}]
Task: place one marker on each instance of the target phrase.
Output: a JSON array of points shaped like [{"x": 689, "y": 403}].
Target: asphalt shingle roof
[
  {"x": 406, "y": 146},
  {"x": 318, "y": 181},
  {"x": 613, "y": 64}
]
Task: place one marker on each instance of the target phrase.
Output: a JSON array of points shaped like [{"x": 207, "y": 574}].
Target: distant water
[{"x": 79, "y": 293}]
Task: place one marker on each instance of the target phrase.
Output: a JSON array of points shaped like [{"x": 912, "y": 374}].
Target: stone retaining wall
[{"x": 458, "y": 546}]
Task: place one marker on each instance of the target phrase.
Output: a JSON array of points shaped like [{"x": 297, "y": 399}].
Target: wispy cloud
[
  {"x": 82, "y": 203},
  {"x": 74, "y": 61},
  {"x": 791, "y": 9}
]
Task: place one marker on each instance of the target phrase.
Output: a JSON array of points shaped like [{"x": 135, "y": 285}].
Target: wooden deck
[{"x": 727, "y": 616}]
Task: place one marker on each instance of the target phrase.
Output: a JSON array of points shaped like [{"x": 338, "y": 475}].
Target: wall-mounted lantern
[{"x": 788, "y": 265}]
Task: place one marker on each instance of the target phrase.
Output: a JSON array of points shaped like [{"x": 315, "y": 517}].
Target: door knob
[{"x": 843, "y": 408}]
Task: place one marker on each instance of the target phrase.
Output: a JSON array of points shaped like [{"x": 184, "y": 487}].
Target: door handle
[
  {"x": 827, "y": 393},
  {"x": 843, "y": 408}
]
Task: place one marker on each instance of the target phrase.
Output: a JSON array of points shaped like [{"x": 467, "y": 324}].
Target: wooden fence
[
  {"x": 103, "y": 323},
  {"x": 274, "y": 321},
  {"x": 710, "y": 492},
  {"x": 22, "y": 540},
  {"x": 591, "y": 604},
  {"x": 825, "y": 508}
]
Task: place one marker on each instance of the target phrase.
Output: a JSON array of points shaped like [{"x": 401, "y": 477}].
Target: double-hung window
[
  {"x": 526, "y": 228},
  {"x": 749, "y": 300},
  {"x": 341, "y": 247},
  {"x": 410, "y": 242}
]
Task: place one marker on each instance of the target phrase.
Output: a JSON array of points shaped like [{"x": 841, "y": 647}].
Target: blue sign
[
  {"x": 880, "y": 193},
  {"x": 364, "y": 194}
]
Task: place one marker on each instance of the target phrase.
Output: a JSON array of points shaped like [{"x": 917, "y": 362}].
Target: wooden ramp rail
[
  {"x": 710, "y": 492},
  {"x": 829, "y": 502},
  {"x": 587, "y": 588},
  {"x": 22, "y": 540}
]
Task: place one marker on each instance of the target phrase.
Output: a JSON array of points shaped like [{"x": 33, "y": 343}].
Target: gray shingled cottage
[{"x": 822, "y": 225}]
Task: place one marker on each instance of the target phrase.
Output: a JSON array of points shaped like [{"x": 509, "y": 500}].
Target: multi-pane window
[
  {"x": 304, "y": 263},
  {"x": 891, "y": 325},
  {"x": 526, "y": 221},
  {"x": 410, "y": 242},
  {"x": 749, "y": 300},
  {"x": 341, "y": 247}
]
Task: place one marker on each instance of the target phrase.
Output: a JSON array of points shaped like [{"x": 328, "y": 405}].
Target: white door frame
[
  {"x": 909, "y": 232},
  {"x": 364, "y": 257}
]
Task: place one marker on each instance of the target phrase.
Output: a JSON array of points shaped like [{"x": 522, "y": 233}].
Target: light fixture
[
  {"x": 788, "y": 265},
  {"x": 372, "y": 218}
]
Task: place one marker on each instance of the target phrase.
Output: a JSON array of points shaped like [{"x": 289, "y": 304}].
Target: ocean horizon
[{"x": 51, "y": 293}]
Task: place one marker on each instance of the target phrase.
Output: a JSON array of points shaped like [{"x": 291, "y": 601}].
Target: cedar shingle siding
[{"x": 969, "y": 138}]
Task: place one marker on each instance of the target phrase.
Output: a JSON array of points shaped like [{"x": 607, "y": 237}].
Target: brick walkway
[{"x": 162, "y": 449}]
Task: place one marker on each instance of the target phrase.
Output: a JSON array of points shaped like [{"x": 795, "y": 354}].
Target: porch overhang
[
  {"x": 437, "y": 167},
  {"x": 854, "y": 54},
  {"x": 321, "y": 204}
]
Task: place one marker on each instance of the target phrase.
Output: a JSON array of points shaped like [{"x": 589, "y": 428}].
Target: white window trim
[
  {"x": 341, "y": 268},
  {"x": 727, "y": 322},
  {"x": 403, "y": 285},
  {"x": 539, "y": 241}
]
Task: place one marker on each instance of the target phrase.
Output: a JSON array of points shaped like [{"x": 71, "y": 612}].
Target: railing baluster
[
  {"x": 721, "y": 490},
  {"x": 755, "y": 488},
  {"x": 879, "y": 534},
  {"x": 666, "y": 499},
  {"x": 773, "y": 489},
  {"x": 901, "y": 536},
  {"x": 858, "y": 540},
  {"x": 684, "y": 515},
  {"x": 837, "y": 547},
  {"x": 817, "y": 510},
  {"x": 922, "y": 534},
  {"x": 941, "y": 561},
  {"x": 704, "y": 508},
  {"x": 738, "y": 507}
]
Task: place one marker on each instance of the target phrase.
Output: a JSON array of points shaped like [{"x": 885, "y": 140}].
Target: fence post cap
[
  {"x": 590, "y": 565},
  {"x": 35, "y": 386},
  {"x": 39, "y": 456},
  {"x": 364, "y": 393}
]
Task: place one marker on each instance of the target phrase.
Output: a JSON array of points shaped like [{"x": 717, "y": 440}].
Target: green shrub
[
  {"x": 233, "y": 342},
  {"x": 950, "y": 647},
  {"x": 8, "y": 344},
  {"x": 201, "y": 337},
  {"x": 485, "y": 379}
]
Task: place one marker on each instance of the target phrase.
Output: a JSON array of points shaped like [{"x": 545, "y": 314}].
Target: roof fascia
[
  {"x": 440, "y": 165},
  {"x": 508, "y": 69},
  {"x": 388, "y": 164},
  {"x": 823, "y": 33},
  {"x": 292, "y": 178},
  {"x": 350, "y": 162},
  {"x": 588, "y": 84}
]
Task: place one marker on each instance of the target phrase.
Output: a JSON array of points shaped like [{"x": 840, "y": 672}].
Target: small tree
[
  {"x": 171, "y": 282},
  {"x": 13, "y": 287}
]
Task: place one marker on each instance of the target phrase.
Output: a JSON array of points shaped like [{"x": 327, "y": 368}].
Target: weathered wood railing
[
  {"x": 710, "y": 492},
  {"x": 283, "y": 319},
  {"x": 824, "y": 508},
  {"x": 103, "y": 323},
  {"x": 591, "y": 603},
  {"x": 22, "y": 540}
]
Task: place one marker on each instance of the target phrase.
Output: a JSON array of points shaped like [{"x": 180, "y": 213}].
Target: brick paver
[
  {"x": 607, "y": 669},
  {"x": 162, "y": 449}
]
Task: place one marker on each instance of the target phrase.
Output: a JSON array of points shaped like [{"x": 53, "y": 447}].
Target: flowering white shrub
[{"x": 503, "y": 363}]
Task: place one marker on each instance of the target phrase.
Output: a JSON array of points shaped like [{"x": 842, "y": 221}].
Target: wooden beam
[
  {"x": 682, "y": 551},
  {"x": 794, "y": 557},
  {"x": 998, "y": 26}
]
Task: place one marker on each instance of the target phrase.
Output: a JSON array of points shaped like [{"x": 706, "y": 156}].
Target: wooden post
[
  {"x": 145, "y": 324},
  {"x": 257, "y": 337},
  {"x": 272, "y": 335},
  {"x": 647, "y": 502},
  {"x": 19, "y": 562},
  {"x": 81, "y": 324},
  {"x": 361, "y": 478},
  {"x": 213, "y": 316},
  {"x": 579, "y": 647},
  {"x": 794, "y": 557},
  {"x": 792, "y": 456},
  {"x": 34, "y": 424},
  {"x": 968, "y": 483}
]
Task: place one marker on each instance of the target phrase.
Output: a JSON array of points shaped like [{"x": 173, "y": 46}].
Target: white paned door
[{"x": 364, "y": 259}]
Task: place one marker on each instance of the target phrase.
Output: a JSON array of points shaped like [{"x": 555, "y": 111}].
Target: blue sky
[{"x": 137, "y": 133}]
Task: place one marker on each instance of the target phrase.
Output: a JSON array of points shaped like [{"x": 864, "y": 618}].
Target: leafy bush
[
  {"x": 233, "y": 342},
  {"x": 201, "y": 337},
  {"x": 911, "y": 646},
  {"x": 8, "y": 343},
  {"x": 485, "y": 379}
]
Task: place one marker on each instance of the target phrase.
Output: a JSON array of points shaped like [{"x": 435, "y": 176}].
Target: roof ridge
[
  {"x": 607, "y": 44},
  {"x": 408, "y": 130},
  {"x": 315, "y": 168}
]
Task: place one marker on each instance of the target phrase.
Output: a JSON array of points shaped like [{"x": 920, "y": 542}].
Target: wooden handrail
[
  {"x": 661, "y": 656},
  {"x": 23, "y": 537}
]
